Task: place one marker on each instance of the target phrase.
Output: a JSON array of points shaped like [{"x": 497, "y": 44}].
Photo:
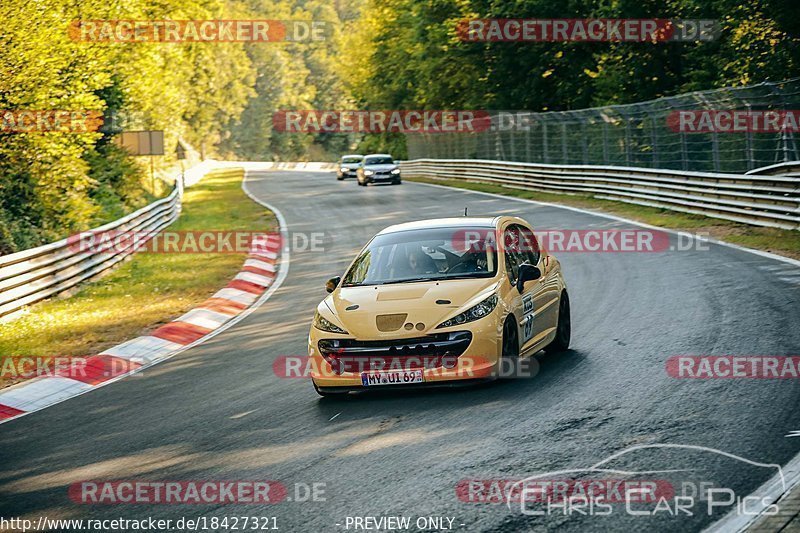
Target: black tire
[
  {"x": 362, "y": 184},
  {"x": 509, "y": 354},
  {"x": 398, "y": 182},
  {"x": 339, "y": 178},
  {"x": 510, "y": 339},
  {"x": 563, "y": 329}
]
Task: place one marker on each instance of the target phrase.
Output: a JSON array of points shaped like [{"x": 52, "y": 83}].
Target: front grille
[{"x": 430, "y": 351}]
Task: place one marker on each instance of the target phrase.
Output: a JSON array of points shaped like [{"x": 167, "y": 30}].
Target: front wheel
[
  {"x": 563, "y": 329},
  {"x": 510, "y": 339},
  {"x": 340, "y": 178},
  {"x": 509, "y": 356}
]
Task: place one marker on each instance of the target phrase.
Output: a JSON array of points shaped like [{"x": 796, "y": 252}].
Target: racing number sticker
[{"x": 527, "y": 311}]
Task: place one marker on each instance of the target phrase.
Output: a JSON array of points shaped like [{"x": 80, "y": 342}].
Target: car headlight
[
  {"x": 396, "y": 171},
  {"x": 473, "y": 313},
  {"x": 368, "y": 173},
  {"x": 326, "y": 325},
  {"x": 344, "y": 169}
]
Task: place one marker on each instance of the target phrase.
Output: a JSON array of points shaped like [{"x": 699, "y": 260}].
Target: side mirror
[
  {"x": 332, "y": 283},
  {"x": 527, "y": 273}
]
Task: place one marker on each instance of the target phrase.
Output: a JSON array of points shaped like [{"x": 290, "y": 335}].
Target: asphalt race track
[{"x": 218, "y": 411}]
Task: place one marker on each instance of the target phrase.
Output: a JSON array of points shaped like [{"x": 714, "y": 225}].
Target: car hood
[
  {"x": 381, "y": 308},
  {"x": 351, "y": 166},
  {"x": 380, "y": 168}
]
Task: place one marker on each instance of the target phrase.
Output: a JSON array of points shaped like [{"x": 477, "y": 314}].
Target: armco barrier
[
  {"x": 753, "y": 198},
  {"x": 313, "y": 166},
  {"x": 789, "y": 168},
  {"x": 32, "y": 275}
]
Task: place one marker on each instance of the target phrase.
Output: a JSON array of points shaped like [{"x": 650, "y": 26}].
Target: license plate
[{"x": 394, "y": 377}]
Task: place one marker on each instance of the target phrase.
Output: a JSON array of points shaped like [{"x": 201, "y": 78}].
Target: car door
[
  {"x": 549, "y": 289},
  {"x": 520, "y": 246}
]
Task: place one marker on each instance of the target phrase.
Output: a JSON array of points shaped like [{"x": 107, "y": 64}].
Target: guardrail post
[
  {"x": 584, "y": 137},
  {"x": 655, "y": 141},
  {"x": 528, "y": 144},
  {"x": 545, "y": 147},
  {"x": 684, "y": 152},
  {"x": 748, "y": 142},
  {"x": 628, "y": 141}
]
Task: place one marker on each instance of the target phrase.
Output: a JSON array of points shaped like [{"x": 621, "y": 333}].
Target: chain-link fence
[{"x": 645, "y": 134}]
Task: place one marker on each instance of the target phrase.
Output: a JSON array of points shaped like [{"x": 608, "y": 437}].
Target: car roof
[
  {"x": 352, "y": 155},
  {"x": 454, "y": 222},
  {"x": 378, "y": 155}
]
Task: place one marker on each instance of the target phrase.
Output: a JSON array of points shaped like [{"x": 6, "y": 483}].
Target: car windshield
[
  {"x": 425, "y": 255},
  {"x": 351, "y": 160},
  {"x": 378, "y": 161}
]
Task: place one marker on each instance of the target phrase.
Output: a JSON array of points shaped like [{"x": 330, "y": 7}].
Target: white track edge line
[
  {"x": 768, "y": 494},
  {"x": 283, "y": 271}
]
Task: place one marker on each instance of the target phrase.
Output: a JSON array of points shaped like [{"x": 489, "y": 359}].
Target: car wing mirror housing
[
  {"x": 527, "y": 273},
  {"x": 332, "y": 283}
]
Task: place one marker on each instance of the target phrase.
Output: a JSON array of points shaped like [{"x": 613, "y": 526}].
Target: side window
[
  {"x": 530, "y": 245},
  {"x": 519, "y": 246},
  {"x": 511, "y": 252}
]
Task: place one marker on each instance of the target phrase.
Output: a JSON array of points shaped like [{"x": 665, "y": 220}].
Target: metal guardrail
[
  {"x": 762, "y": 200},
  {"x": 32, "y": 275},
  {"x": 789, "y": 168}
]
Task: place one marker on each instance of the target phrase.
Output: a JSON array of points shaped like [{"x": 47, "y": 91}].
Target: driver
[{"x": 421, "y": 263}]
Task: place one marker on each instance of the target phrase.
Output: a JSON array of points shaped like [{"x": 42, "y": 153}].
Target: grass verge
[
  {"x": 779, "y": 241},
  {"x": 146, "y": 291}
]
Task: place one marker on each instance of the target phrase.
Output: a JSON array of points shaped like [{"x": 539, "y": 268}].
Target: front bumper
[
  {"x": 382, "y": 178},
  {"x": 454, "y": 355}
]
